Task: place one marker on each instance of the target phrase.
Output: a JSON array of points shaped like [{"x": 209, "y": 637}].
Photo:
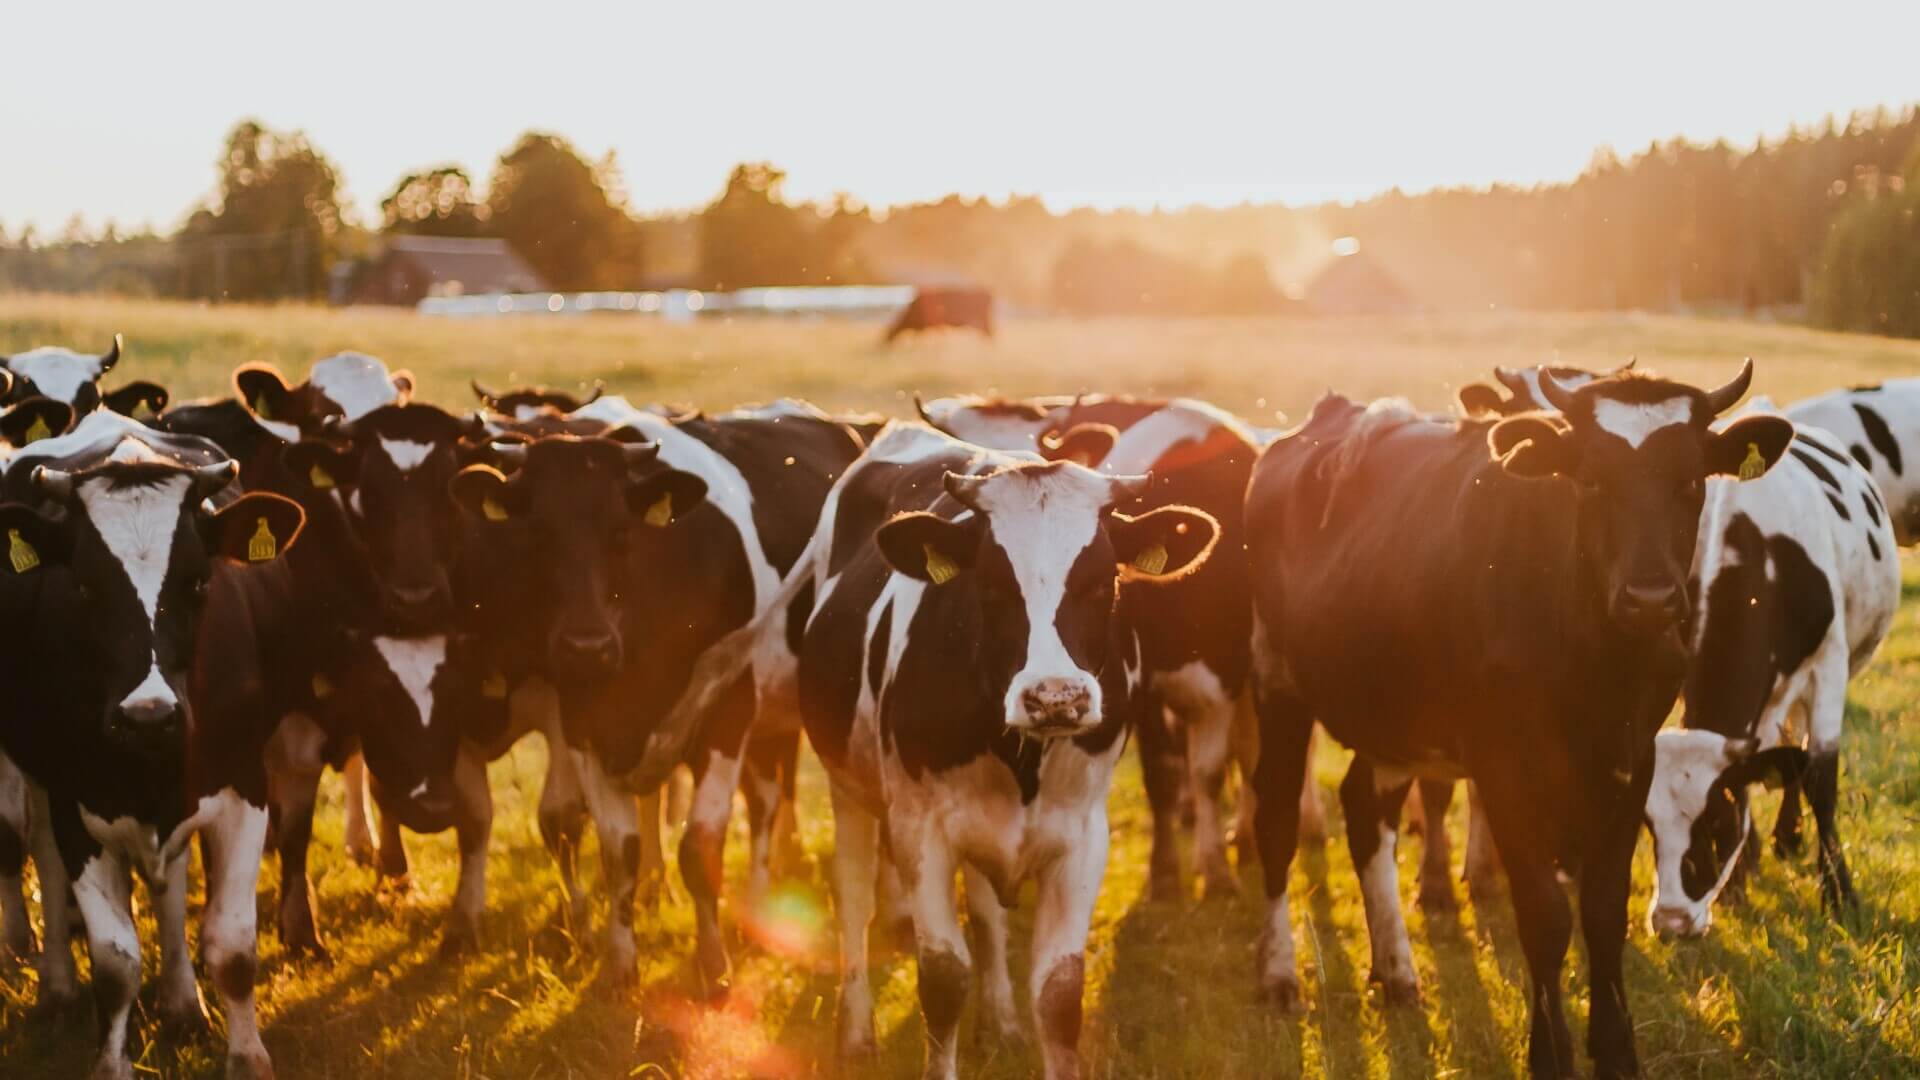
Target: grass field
[{"x": 1777, "y": 990}]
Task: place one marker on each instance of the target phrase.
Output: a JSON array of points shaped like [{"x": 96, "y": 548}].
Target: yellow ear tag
[
  {"x": 660, "y": 514},
  {"x": 260, "y": 408},
  {"x": 1153, "y": 560},
  {"x": 321, "y": 479},
  {"x": 322, "y": 687},
  {"x": 261, "y": 546},
  {"x": 1755, "y": 465},
  {"x": 142, "y": 411},
  {"x": 38, "y": 430},
  {"x": 940, "y": 569},
  {"x": 494, "y": 686},
  {"x": 491, "y": 509},
  {"x": 21, "y": 553}
]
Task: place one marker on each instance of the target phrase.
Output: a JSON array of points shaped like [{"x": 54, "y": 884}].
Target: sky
[{"x": 115, "y": 111}]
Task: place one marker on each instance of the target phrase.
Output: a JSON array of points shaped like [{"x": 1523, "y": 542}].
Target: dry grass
[{"x": 1777, "y": 990}]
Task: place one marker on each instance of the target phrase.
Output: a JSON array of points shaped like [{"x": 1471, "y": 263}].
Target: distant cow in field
[{"x": 934, "y": 308}]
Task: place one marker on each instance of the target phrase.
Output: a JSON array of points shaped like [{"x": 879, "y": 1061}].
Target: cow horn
[
  {"x": 639, "y": 453},
  {"x": 963, "y": 487},
  {"x": 599, "y": 388},
  {"x": 920, "y": 410},
  {"x": 1557, "y": 395},
  {"x": 1626, "y": 367},
  {"x": 509, "y": 453},
  {"x": 210, "y": 479},
  {"x": 1726, "y": 397},
  {"x": 486, "y": 396},
  {"x": 1510, "y": 379},
  {"x": 53, "y": 483},
  {"x": 111, "y": 356}
]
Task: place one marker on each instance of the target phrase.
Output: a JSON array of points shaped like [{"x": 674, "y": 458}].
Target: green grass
[{"x": 1777, "y": 990}]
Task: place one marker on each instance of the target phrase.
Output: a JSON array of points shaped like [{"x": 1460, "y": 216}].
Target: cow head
[
  {"x": 138, "y": 400},
  {"x": 527, "y": 402},
  {"x": 1039, "y": 558},
  {"x": 348, "y": 386},
  {"x": 1638, "y": 451},
  {"x": 1697, "y": 813},
  {"x": 390, "y": 470},
  {"x": 579, "y": 516},
  {"x": 35, "y": 418},
  {"x": 61, "y": 374},
  {"x": 138, "y": 540},
  {"x": 1001, "y": 424}
]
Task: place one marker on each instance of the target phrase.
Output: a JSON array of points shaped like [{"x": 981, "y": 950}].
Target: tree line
[{"x": 1817, "y": 221}]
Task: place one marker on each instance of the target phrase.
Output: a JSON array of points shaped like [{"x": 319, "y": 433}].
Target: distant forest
[{"x": 1814, "y": 223}]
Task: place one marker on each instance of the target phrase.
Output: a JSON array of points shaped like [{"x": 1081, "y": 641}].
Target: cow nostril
[{"x": 416, "y": 597}]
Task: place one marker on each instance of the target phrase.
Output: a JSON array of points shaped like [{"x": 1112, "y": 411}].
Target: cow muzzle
[
  {"x": 1054, "y": 706},
  {"x": 1652, "y": 608},
  {"x": 1680, "y": 922},
  {"x": 587, "y": 653},
  {"x": 419, "y": 605},
  {"x": 144, "y": 724}
]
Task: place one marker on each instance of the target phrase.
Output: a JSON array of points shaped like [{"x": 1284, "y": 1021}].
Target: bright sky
[{"x": 116, "y": 111}]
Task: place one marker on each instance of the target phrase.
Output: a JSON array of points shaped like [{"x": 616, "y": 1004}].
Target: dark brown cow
[{"x": 934, "y": 308}]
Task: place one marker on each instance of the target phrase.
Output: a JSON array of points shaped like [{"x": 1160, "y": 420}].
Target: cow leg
[
  {"x": 1823, "y": 788},
  {"x": 987, "y": 935},
  {"x": 945, "y": 963},
  {"x": 652, "y": 877},
  {"x": 1482, "y": 869},
  {"x": 179, "y": 1005},
  {"x": 230, "y": 846},
  {"x": 856, "y": 867},
  {"x": 59, "y": 980},
  {"x": 563, "y": 807},
  {"x": 1541, "y": 916},
  {"x": 104, "y": 890},
  {"x": 615, "y": 815},
  {"x": 294, "y": 760},
  {"x": 1286, "y": 731},
  {"x": 1436, "y": 856},
  {"x": 1606, "y": 877},
  {"x": 359, "y": 838},
  {"x": 1313, "y": 819},
  {"x": 1160, "y": 773},
  {"x": 392, "y": 859},
  {"x": 1209, "y": 725},
  {"x": 1372, "y": 799},
  {"x": 473, "y": 825},
  {"x": 1062, "y": 918},
  {"x": 1787, "y": 841},
  {"x": 16, "y": 926},
  {"x": 767, "y": 782},
  {"x": 703, "y": 845}
]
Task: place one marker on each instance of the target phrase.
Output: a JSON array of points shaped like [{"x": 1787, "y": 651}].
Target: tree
[
  {"x": 748, "y": 236},
  {"x": 1869, "y": 276},
  {"x": 438, "y": 202},
  {"x": 554, "y": 208},
  {"x": 278, "y": 214}
]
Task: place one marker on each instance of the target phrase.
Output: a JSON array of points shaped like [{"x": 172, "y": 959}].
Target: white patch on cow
[
  {"x": 1532, "y": 377},
  {"x": 1183, "y": 420},
  {"x": 1043, "y": 523},
  {"x": 529, "y": 412},
  {"x": 981, "y": 422},
  {"x": 57, "y": 373},
  {"x": 137, "y": 525},
  {"x": 414, "y": 661},
  {"x": 783, "y": 409},
  {"x": 406, "y": 454},
  {"x": 418, "y": 790},
  {"x": 1897, "y": 403},
  {"x": 134, "y": 842},
  {"x": 1634, "y": 422},
  {"x": 356, "y": 382}
]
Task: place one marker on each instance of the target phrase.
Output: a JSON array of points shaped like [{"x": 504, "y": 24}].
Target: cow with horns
[{"x": 1559, "y": 550}]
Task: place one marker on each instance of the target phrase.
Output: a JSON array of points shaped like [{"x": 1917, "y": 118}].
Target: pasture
[{"x": 1778, "y": 989}]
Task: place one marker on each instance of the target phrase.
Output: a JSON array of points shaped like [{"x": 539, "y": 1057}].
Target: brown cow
[{"x": 937, "y": 307}]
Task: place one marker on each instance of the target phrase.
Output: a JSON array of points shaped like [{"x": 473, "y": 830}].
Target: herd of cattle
[{"x": 205, "y": 605}]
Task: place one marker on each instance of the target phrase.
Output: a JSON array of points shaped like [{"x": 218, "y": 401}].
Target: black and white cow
[
  {"x": 638, "y": 565},
  {"x": 1514, "y": 619},
  {"x": 527, "y": 402},
  {"x": 66, "y": 386},
  {"x": 1880, "y": 427},
  {"x": 119, "y": 565},
  {"x": 967, "y": 675},
  {"x": 1797, "y": 581},
  {"x": 1194, "y": 642}
]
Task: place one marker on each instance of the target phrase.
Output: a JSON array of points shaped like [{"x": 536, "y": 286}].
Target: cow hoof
[
  {"x": 1397, "y": 992},
  {"x": 1283, "y": 993},
  {"x": 111, "y": 1068},
  {"x": 459, "y": 939},
  {"x": 856, "y": 1053},
  {"x": 362, "y": 854},
  {"x": 249, "y": 1066}
]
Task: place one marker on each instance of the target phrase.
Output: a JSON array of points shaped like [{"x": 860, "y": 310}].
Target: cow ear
[
  {"x": 928, "y": 547},
  {"x": 1162, "y": 544},
  {"x": 403, "y": 386},
  {"x": 1083, "y": 444},
  {"x": 665, "y": 497},
  {"x": 481, "y": 490},
  {"x": 257, "y": 527},
  {"x": 262, "y": 391},
  {"x": 1749, "y": 446},
  {"x": 1530, "y": 446},
  {"x": 321, "y": 464},
  {"x": 142, "y": 400},
  {"x": 1773, "y": 766},
  {"x": 34, "y": 419},
  {"x": 1479, "y": 399},
  {"x": 6, "y": 381},
  {"x": 31, "y": 538}
]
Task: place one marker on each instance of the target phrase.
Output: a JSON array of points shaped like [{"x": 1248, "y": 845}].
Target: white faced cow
[
  {"x": 117, "y": 561},
  {"x": 968, "y": 674}
]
